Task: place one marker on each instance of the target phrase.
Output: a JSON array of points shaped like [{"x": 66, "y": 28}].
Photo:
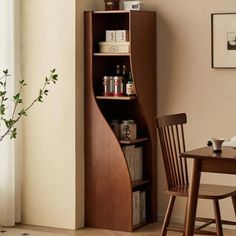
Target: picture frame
[{"x": 223, "y": 38}]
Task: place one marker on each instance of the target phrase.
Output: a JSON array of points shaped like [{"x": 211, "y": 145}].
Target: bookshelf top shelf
[{"x": 130, "y": 142}]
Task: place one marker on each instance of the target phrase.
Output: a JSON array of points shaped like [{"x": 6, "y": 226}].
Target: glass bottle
[
  {"x": 130, "y": 87},
  {"x": 125, "y": 77},
  {"x": 118, "y": 82},
  {"x": 118, "y": 70}
]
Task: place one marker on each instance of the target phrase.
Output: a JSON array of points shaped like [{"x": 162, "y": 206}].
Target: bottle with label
[
  {"x": 118, "y": 82},
  {"x": 130, "y": 87},
  {"x": 125, "y": 77}
]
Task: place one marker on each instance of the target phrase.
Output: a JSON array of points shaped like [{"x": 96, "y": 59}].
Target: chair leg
[
  {"x": 234, "y": 203},
  {"x": 186, "y": 208},
  {"x": 219, "y": 230},
  {"x": 168, "y": 215}
]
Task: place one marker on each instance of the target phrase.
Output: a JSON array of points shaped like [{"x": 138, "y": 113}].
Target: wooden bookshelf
[{"x": 108, "y": 185}]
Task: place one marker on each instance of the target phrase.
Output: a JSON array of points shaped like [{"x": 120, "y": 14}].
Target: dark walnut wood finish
[
  {"x": 205, "y": 160},
  {"x": 108, "y": 186},
  {"x": 171, "y": 133}
]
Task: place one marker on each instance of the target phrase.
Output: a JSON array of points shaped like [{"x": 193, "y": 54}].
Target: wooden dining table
[{"x": 205, "y": 160}]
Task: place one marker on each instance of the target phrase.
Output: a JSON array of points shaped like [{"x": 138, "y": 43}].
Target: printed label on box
[
  {"x": 122, "y": 36},
  {"x": 110, "y": 35}
]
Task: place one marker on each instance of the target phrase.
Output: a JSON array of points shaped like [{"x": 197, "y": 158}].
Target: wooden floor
[{"x": 150, "y": 230}]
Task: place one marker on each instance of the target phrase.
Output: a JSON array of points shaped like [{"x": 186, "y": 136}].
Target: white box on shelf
[
  {"x": 110, "y": 35},
  {"x": 114, "y": 47},
  {"x": 122, "y": 35},
  {"x": 133, "y": 5}
]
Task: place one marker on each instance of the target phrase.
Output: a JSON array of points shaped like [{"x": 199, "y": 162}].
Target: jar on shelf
[
  {"x": 107, "y": 85},
  {"x": 112, "y": 5},
  {"x": 128, "y": 130},
  {"x": 115, "y": 126},
  {"x": 118, "y": 89}
]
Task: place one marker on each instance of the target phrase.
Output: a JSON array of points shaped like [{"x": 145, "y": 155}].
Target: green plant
[{"x": 8, "y": 122}]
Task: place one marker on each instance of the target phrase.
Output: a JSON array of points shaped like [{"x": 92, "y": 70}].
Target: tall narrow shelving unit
[{"x": 108, "y": 186}]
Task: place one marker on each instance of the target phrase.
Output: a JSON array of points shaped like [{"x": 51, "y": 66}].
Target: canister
[
  {"x": 115, "y": 126},
  {"x": 112, "y": 5},
  {"x": 107, "y": 85},
  {"x": 128, "y": 130},
  {"x": 118, "y": 86}
]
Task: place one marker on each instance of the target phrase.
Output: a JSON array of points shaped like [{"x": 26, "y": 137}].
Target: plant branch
[{"x": 10, "y": 123}]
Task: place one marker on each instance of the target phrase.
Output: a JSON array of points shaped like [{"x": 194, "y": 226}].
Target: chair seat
[{"x": 206, "y": 191}]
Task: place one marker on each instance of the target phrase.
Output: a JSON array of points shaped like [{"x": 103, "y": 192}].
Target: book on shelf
[
  {"x": 143, "y": 214},
  {"x": 134, "y": 159},
  {"x": 139, "y": 207},
  {"x": 138, "y": 163},
  {"x": 136, "y": 208}
]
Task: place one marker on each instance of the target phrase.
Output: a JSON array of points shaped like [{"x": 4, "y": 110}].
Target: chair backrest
[{"x": 171, "y": 134}]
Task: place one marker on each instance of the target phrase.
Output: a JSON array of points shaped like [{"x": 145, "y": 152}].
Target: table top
[{"x": 207, "y": 153}]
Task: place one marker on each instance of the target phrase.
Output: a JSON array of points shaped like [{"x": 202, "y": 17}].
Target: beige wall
[
  {"x": 48, "y": 41},
  {"x": 187, "y": 83},
  {"x": 53, "y": 153}
]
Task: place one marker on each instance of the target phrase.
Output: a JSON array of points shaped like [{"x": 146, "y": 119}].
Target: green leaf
[
  {"x": 40, "y": 99},
  {"x": 22, "y": 112},
  {"x": 9, "y": 123},
  {"x": 2, "y": 93},
  {"x": 2, "y": 109},
  {"x": 13, "y": 133},
  {"x": 16, "y": 97},
  {"x": 55, "y": 76},
  {"x": 5, "y": 72}
]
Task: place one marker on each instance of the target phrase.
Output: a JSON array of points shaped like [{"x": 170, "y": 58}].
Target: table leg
[{"x": 193, "y": 198}]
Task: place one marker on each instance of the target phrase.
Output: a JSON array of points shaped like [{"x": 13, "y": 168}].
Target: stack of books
[
  {"x": 139, "y": 207},
  {"x": 134, "y": 159}
]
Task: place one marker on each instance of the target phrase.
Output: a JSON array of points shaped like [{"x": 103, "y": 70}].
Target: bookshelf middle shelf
[
  {"x": 138, "y": 183},
  {"x": 133, "y": 141},
  {"x": 116, "y": 98}
]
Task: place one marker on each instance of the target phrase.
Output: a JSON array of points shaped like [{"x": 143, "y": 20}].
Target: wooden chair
[{"x": 171, "y": 134}]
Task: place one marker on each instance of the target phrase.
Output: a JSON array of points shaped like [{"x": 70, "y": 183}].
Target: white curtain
[{"x": 9, "y": 150}]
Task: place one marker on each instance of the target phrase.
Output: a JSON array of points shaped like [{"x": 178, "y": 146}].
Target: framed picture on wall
[{"x": 223, "y": 34}]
